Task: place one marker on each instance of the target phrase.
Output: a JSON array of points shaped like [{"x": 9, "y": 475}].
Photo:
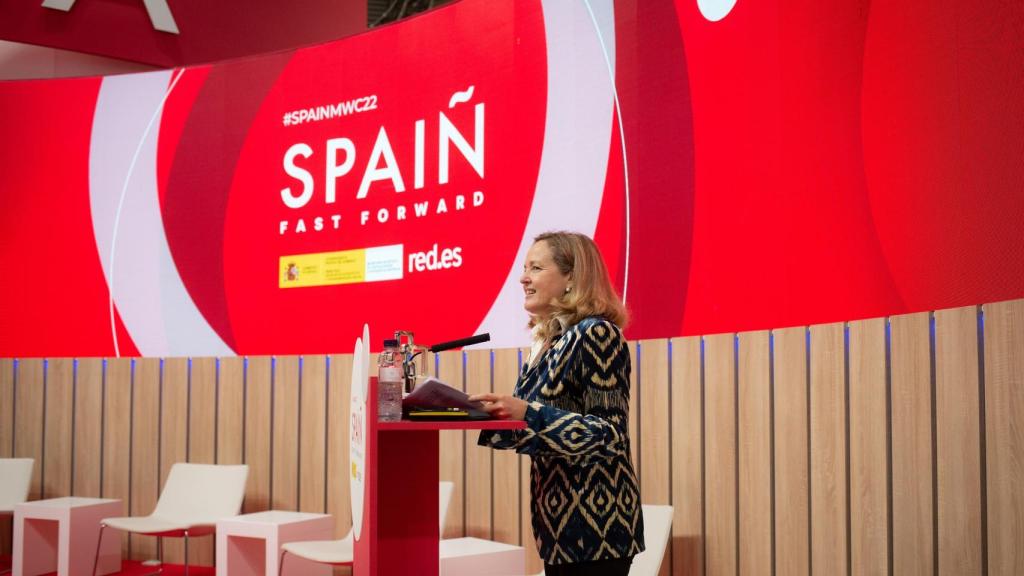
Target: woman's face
[{"x": 542, "y": 280}]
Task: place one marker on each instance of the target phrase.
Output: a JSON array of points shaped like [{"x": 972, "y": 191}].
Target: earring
[{"x": 567, "y": 289}]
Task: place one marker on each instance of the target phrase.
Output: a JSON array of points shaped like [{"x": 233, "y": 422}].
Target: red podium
[{"x": 399, "y": 511}]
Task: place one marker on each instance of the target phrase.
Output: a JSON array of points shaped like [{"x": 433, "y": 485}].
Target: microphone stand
[{"x": 409, "y": 350}]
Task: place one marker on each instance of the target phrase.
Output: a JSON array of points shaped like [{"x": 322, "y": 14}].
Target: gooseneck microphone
[{"x": 460, "y": 342}]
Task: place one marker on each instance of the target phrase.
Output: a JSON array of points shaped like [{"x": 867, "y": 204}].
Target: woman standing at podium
[{"x": 573, "y": 394}]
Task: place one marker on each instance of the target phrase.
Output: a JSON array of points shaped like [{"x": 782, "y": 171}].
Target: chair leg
[
  {"x": 160, "y": 553},
  {"x": 186, "y": 552},
  {"x": 99, "y": 541},
  {"x": 280, "y": 564}
]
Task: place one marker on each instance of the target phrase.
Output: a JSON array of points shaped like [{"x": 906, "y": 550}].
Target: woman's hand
[{"x": 502, "y": 406}]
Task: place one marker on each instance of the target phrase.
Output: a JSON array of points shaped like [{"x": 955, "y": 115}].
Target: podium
[{"x": 398, "y": 485}]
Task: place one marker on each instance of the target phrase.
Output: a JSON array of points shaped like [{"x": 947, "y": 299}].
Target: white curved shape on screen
[
  {"x": 128, "y": 227},
  {"x": 609, "y": 58},
  {"x": 715, "y": 10},
  {"x": 577, "y": 138}
]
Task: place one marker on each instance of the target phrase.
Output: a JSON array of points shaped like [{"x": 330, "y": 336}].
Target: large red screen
[{"x": 742, "y": 166}]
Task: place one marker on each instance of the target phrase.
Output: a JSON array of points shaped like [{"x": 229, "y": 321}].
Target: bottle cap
[{"x": 390, "y": 343}]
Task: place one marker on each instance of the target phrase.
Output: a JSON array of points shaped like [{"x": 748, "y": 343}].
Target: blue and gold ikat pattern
[{"x": 585, "y": 501}]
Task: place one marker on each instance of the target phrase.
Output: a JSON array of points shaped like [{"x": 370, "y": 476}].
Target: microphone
[{"x": 460, "y": 342}]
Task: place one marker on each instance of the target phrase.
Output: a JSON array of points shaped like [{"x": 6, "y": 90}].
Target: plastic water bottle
[{"x": 389, "y": 383}]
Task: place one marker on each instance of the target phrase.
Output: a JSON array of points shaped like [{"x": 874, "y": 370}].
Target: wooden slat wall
[
  {"x": 115, "y": 451},
  {"x": 257, "y": 424},
  {"x": 174, "y": 423},
  {"x": 869, "y": 448},
  {"x": 913, "y": 523},
  {"x": 452, "y": 466},
  {"x": 686, "y": 553},
  {"x": 7, "y": 411},
  {"x": 654, "y": 441},
  {"x": 1004, "y": 436},
  {"x": 720, "y": 456},
  {"x": 479, "y": 462},
  {"x": 57, "y": 428},
  {"x": 958, "y": 441},
  {"x": 202, "y": 434},
  {"x": 884, "y": 446},
  {"x": 792, "y": 453},
  {"x": 755, "y": 455},
  {"x": 506, "y": 520},
  {"x": 338, "y": 503},
  {"x": 828, "y": 451},
  {"x": 145, "y": 487},
  {"x": 29, "y": 416},
  {"x": 88, "y": 415}
]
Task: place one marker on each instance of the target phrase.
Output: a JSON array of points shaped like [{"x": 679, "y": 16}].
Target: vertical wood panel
[
  {"x": 1004, "y": 436},
  {"x": 257, "y": 433},
  {"x": 59, "y": 441},
  {"x": 228, "y": 430},
  {"x": 313, "y": 435},
  {"x": 533, "y": 561},
  {"x": 506, "y": 462},
  {"x": 652, "y": 375},
  {"x": 687, "y": 465},
  {"x": 284, "y": 492},
  {"x": 202, "y": 437},
  {"x": 912, "y": 519},
  {"x": 88, "y": 428},
  {"x": 529, "y": 542},
  {"x": 117, "y": 413},
  {"x": 145, "y": 472},
  {"x": 720, "y": 454},
  {"x": 338, "y": 474},
  {"x": 635, "y": 414},
  {"x": 174, "y": 415},
  {"x": 479, "y": 460},
  {"x": 654, "y": 425},
  {"x": 958, "y": 441},
  {"x": 230, "y": 410},
  {"x": 755, "y": 468},
  {"x": 29, "y": 419},
  {"x": 869, "y": 456},
  {"x": 202, "y": 407},
  {"x": 828, "y": 450},
  {"x": 7, "y": 416},
  {"x": 792, "y": 445},
  {"x": 452, "y": 446},
  {"x": 7, "y": 409}
]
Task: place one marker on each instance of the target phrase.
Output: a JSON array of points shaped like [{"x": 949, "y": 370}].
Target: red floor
[{"x": 135, "y": 568}]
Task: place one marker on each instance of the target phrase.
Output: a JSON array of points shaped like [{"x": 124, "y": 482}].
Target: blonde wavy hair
[{"x": 592, "y": 293}]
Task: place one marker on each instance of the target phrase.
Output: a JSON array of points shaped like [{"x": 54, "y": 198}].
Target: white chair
[
  {"x": 657, "y": 531},
  {"x": 193, "y": 499},
  {"x": 15, "y": 479},
  {"x": 339, "y": 552}
]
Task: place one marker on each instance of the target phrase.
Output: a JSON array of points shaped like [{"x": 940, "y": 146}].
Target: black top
[{"x": 585, "y": 499}]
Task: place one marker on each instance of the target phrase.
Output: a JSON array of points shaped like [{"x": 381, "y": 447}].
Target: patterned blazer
[{"x": 585, "y": 501}]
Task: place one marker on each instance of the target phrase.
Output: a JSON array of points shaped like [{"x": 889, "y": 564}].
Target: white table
[
  {"x": 60, "y": 534},
  {"x": 476, "y": 557},
  {"x": 251, "y": 543}
]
